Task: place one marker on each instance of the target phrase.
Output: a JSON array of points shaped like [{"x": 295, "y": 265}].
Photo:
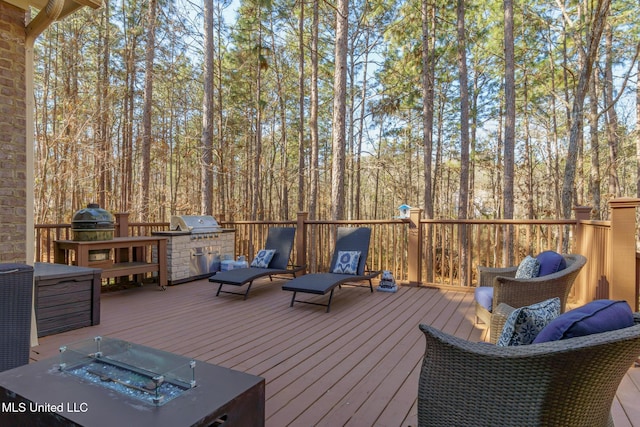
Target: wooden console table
[{"x": 130, "y": 256}]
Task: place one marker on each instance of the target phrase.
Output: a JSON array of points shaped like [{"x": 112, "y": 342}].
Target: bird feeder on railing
[{"x": 404, "y": 211}]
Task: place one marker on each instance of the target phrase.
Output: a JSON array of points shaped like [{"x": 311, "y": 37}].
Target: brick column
[{"x": 14, "y": 192}]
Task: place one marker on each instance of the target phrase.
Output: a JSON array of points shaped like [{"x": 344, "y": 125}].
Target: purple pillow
[
  {"x": 550, "y": 262},
  {"x": 595, "y": 317},
  {"x": 484, "y": 296}
]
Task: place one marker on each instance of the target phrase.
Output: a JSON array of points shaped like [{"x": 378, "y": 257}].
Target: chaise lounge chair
[
  {"x": 280, "y": 240},
  {"x": 344, "y": 267}
]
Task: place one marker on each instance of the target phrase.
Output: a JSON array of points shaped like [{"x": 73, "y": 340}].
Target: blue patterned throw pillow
[
  {"x": 263, "y": 258},
  {"x": 347, "y": 262},
  {"x": 524, "y": 323},
  {"x": 528, "y": 268}
]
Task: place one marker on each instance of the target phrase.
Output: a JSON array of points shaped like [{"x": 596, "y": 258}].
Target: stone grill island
[{"x": 195, "y": 246}]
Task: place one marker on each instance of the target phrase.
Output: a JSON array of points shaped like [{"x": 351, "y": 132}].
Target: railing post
[
  {"x": 414, "y": 250},
  {"x": 122, "y": 224},
  {"x": 581, "y": 287},
  {"x": 121, "y": 230},
  {"x": 301, "y": 239},
  {"x": 623, "y": 251}
]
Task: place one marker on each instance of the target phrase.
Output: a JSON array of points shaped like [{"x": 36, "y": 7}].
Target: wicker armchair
[
  {"x": 522, "y": 292},
  {"x": 570, "y": 382}
]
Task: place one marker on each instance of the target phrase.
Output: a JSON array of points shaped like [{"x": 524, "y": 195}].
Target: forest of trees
[{"x": 344, "y": 109}]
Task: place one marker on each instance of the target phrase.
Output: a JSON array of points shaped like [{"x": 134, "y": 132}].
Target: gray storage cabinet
[
  {"x": 16, "y": 293},
  {"x": 67, "y": 297}
]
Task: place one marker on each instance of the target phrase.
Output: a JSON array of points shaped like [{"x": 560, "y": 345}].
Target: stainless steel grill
[
  {"x": 204, "y": 230},
  {"x": 195, "y": 224}
]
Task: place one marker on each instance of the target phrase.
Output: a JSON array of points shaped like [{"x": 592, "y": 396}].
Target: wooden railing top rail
[
  {"x": 595, "y": 222},
  {"x": 355, "y": 221},
  {"x": 261, "y": 222},
  {"x": 52, "y": 226},
  {"x": 502, "y": 221}
]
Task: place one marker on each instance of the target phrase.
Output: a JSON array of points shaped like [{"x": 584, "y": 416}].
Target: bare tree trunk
[
  {"x": 358, "y": 148},
  {"x": 438, "y": 189},
  {"x": 206, "y": 167},
  {"x": 428, "y": 71},
  {"x": 350, "y": 126},
  {"x": 611, "y": 117},
  {"x": 497, "y": 191},
  {"x": 283, "y": 185},
  {"x": 595, "y": 147},
  {"x": 126, "y": 167},
  {"x": 473, "y": 132},
  {"x": 71, "y": 127},
  {"x": 498, "y": 250},
  {"x": 222, "y": 181},
  {"x": 301, "y": 85},
  {"x": 356, "y": 190},
  {"x": 552, "y": 148},
  {"x": 597, "y": 26},
  {"x": 146, "y": 115},
  {"x": 256, "y": 212},
  {"x": 463, "y": 202},
  {"x": 509, "y": 128},
  {"x": 103, "y": 107},
  {"x": 339, "y": 110},
  {"x": 528, "y": 152},
  {"x": 313, "y": 115},
  {"x": 313, "y": 129}
]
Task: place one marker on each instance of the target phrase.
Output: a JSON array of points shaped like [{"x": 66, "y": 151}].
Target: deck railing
[
  {"x": 389, "y": 249},
  {"x": 485, "y": 245},
  {"x": 390, "y": 245},
  {"x": 429, "y": 252}
]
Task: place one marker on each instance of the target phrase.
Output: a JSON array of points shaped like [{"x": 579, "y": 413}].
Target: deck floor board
[{"x": 355, "y": 366}]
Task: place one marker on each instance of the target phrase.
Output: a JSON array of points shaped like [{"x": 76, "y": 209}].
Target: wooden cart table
[{"x": 131, "y": 256}]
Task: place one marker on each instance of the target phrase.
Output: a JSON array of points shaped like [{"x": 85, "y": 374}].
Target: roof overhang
[
  {"x": 68, "y": 6},
  {"x": 50, "y": 11}
]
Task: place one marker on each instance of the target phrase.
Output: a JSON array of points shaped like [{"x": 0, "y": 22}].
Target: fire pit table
[{"x": 107, "y": 382}]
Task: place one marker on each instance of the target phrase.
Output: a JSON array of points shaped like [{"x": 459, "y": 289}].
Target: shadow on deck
[{"x": 357, "y": 365}]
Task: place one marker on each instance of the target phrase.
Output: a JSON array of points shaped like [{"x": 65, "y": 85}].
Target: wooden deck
[{"x": 357, "y": 365}]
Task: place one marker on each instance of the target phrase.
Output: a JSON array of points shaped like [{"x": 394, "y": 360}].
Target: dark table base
[{"x": 39, "y": 394}]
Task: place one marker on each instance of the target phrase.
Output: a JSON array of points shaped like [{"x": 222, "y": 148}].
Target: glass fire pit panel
[{"x": 147, "y": 374}]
